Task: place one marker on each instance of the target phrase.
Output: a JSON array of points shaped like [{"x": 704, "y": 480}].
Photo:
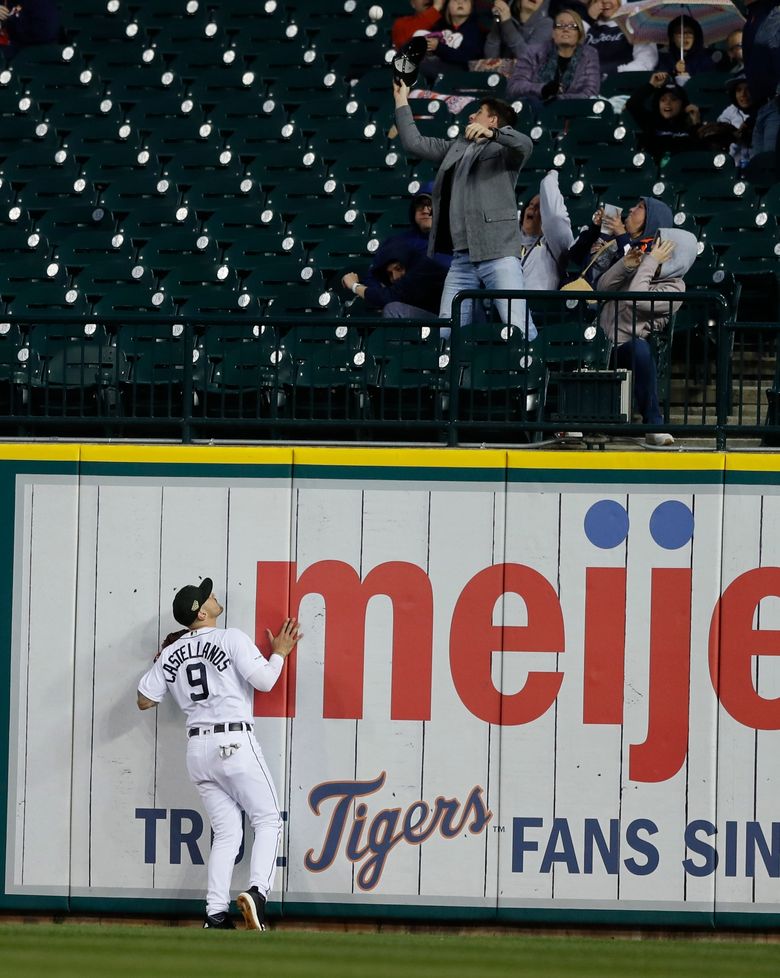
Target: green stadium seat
[
  {"x": 32, "y": 160},
  {"x": 138, "y": 188},
  {"x": 116, "y": 302},
  {"x": 476, "y": 83},
  {"x": 248, "y": 372},
  {"x": 591, "y": 138},
  {"x": 559, "y": 114},
  {"x": 19, "y": 371},
  {"x": 35, "y": 267},
  {"x": 18, "y": 133},
  {"x": 194, "y": 164},
  {"x": 79, "y": 110},
  {"x": 414, "y": 372},
  {"x": 145, "y": 219},
  {"x": 501, "y": 384},
  {"x": 333, "y": 377},
  {"x": 708, "y": 90},
  {"x": 80, "y": 373},
  {"x": 174, "y": 248},
  {"x": 692, "y": 169},
  {"x": 622, "y": 83},
  {"x": 106, "y": 275},
  {"x": 28, "y": 301},
  {"x": 17, "y": 241},
  {"x": 153, "y": 362}
]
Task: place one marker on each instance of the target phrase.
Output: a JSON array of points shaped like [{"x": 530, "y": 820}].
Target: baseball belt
[{"x": 218, "y": 728}]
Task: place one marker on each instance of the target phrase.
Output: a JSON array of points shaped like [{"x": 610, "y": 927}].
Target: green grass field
[{"x": 121, "y": 951}]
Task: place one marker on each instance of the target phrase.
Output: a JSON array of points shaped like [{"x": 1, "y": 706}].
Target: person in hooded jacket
[
  {"x": 687, "y": 54},
  {"x": 669, "y": 123},
  {"x": 629, "y": 323},
  {"x": 420, "y": 224},
  {"x": 613, "y": 238},
  {"x": 404, "y": 283},
  {"x": 517, "y": 25}
]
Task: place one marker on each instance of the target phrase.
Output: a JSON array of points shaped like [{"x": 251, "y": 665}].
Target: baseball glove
[{"x": 169, "y": 640}]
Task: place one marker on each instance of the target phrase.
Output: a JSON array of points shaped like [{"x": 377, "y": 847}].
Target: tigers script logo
[{"x": 370, "y": 840}]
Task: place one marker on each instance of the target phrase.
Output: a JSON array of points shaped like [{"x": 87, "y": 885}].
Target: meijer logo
[{"x": 473, "y": 639}]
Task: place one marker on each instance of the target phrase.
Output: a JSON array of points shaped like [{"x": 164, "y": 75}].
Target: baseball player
[{"x": 212, "y": 673}]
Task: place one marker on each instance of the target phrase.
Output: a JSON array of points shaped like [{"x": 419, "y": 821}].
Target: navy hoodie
[
  {"x": 421, "y": 286},
  {"x": 696, "y": 60}
]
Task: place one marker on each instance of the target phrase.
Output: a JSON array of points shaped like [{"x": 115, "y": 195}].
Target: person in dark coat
[
  {"x": 669, "y": 123},
  {"x": 33, "y": 22},
  {"x": 404, "y": 283}
]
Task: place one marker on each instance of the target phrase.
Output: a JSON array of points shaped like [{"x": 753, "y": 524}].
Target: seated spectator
[
  {"x": 628, "y": 324},
  {"x": 426, "y": 14},
  {"x": 669, "y": 123},
  {"x": 612, "y": 238},
  {"x": 737, "y": 114},
  {"x": 420, "y": 224},
  {"x": 517, "y": 25},
  {"x": 546, "y": 235},
  {"x": 686, "y": 55},
  {"x": 761, "y": 38},
  {"x": 616, "y": 52},
  {"x": 563, "y": 68},
  {"x": 22, "y": 25},
  {"x": 404, "y": 283},
  {"x": 454, "y": 40},
  {"x": 732, "y": 59}
]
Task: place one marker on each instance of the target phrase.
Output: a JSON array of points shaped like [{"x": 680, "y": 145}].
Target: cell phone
[
  {"x": 657, "y": 239},
  {"x": 612, "y": 210}
]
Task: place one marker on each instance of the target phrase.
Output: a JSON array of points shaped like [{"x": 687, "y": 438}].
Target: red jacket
[{"x": 404, "y": 28}]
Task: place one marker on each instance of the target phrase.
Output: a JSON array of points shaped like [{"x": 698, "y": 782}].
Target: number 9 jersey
[{"x": 208, "y": 671}]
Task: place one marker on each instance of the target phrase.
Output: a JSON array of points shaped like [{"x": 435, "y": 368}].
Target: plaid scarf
[{"x": 550, "y": 68}]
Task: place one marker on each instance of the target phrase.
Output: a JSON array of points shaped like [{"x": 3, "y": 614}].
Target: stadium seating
[{"x": 165, "y": 141}]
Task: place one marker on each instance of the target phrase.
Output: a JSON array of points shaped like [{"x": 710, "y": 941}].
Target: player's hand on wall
[{"x": 283, "y": 643}]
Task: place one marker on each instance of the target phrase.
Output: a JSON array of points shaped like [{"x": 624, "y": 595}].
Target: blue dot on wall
[
  {"x": 671, "y": 525},
  {"x": 606, "y": 524}
]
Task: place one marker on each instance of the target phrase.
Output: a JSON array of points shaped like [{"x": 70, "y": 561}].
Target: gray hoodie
[
  {"x": 617, "y": 318},
  {"x": 511, "y": 37}
]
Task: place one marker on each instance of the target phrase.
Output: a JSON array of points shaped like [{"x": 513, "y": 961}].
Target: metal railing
[{"x": 371, "y": 379}]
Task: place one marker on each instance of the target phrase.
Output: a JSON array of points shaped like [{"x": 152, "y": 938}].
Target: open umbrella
[{"x": 647, "y": 21}]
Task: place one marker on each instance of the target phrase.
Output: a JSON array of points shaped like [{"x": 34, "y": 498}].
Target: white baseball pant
[{"x": 230, "y": 781}]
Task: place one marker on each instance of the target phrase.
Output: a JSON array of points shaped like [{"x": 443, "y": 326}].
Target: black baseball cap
[{"x": 188, "y": 601}]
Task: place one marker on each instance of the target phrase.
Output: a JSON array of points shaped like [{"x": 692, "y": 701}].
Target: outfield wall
[{"x": 533, "y": 686}]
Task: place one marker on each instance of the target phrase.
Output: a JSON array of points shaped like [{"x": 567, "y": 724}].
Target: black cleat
[
  {"x": 251, "y": 903},
  {"x": 219, "y": 921}
]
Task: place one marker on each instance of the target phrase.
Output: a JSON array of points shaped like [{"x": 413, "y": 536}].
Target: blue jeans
[
  {"x": 402, "y": 310},
  {"x": 636, "y": 355},
  {"x": 766, "y": 129},
  {"x": 497, "y": 273}
]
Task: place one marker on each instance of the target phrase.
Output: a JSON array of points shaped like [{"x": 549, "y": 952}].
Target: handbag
[{"x": 581, "y": 284}]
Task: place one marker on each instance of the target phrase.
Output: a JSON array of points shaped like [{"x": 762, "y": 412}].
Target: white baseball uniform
[{"x": 212, "y": 673}]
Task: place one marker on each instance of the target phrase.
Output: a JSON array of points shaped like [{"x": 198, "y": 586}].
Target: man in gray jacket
[{"x": 474, "y": 205}]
